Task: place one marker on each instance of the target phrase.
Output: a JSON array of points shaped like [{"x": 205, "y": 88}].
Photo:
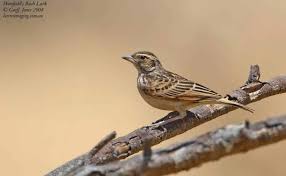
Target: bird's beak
[{"x": 129, "y": 58}]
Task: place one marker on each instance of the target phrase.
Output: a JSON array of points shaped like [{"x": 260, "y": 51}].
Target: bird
[{"x": 169, "y": 91}]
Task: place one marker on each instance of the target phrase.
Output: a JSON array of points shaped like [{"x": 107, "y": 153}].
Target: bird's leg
[
  {"x": 182, "y": 114},
  {"x": 167, "y": 117}
]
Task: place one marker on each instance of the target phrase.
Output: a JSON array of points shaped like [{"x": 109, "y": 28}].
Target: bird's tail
[{"x": 233, "y": 103}]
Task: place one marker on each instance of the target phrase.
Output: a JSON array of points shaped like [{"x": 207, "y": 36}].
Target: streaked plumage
[{"x": 168, "y": 91}]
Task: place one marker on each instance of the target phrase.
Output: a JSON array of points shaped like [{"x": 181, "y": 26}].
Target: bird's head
[{"x": 144, "y": 61}]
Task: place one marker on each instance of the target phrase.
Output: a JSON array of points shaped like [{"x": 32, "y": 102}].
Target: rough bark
[
  {"x": 229, "y": 140},
  {"x": 124, "y": 146},
  {"x": 134, "y": 142}
]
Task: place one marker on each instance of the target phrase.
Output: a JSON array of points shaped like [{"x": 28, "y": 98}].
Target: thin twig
[
  {"x": 254, "y": 74},
  {"x": 147, "y": 155}
]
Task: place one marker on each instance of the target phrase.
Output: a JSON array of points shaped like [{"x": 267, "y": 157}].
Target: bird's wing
[{"x": 173, "y": 86}]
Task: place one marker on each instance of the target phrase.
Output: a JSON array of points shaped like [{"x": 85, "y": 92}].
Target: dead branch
[
  {"x": 229, "y": 140},
  {"x": 135, "y": 141},
  {"x": 100, "y": 145},
  {"x": 82, "y": 160}
]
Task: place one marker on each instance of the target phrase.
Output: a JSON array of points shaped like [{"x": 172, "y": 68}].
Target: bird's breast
[{"x": 163, "y": 103}]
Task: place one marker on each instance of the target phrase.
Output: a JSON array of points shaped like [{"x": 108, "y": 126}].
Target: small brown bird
[{"x": 165, "y": 90}]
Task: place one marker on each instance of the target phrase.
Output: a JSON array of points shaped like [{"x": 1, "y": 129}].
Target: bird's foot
[
  {"x": 231, "y": 98},
  {"x": 171, "y": 117},
  {"x": 156, "y": 125},
  {"x": 167, "y": 117},
  {"x": 182, "y": 114}
]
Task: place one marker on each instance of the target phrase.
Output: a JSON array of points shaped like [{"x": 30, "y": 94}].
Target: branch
[
  {"x": 99, "y": 146},
  {"x": 229, "y": 140},
  {"x": 82, "y": 160},
  {"x": 135, "y": 141}
]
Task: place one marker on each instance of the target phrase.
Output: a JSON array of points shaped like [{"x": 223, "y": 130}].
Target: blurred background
[{"x": 62, "y": 77}]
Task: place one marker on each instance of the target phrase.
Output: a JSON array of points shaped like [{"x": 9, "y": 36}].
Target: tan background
[{"x": 64, "y": 86}]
